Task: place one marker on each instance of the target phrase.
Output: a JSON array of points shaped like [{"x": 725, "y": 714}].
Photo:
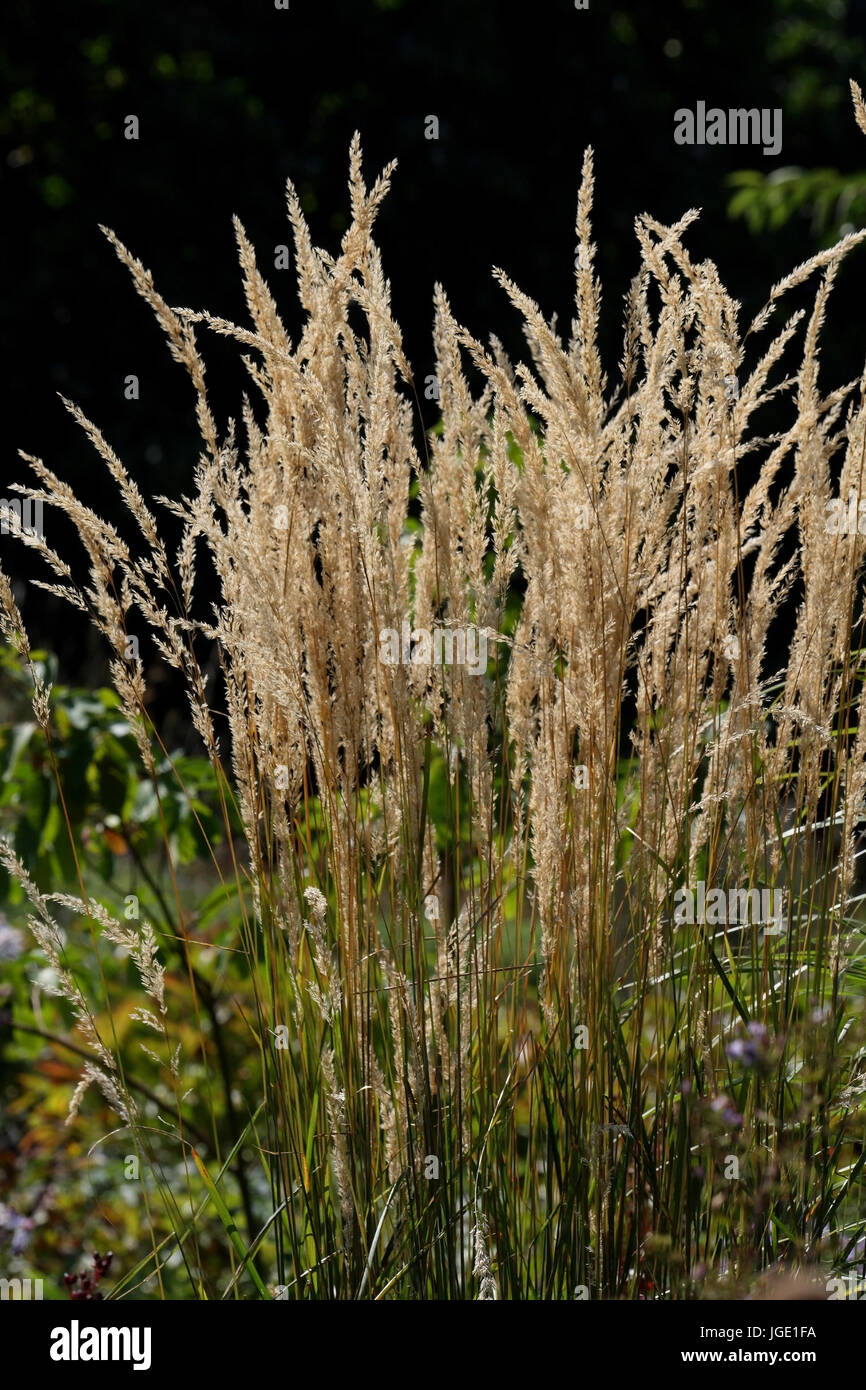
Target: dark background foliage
[{"x": 234, "y": 98}]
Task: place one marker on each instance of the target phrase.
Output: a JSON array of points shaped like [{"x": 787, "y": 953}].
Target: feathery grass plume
[
  {"x": 859, "y": 105},
  {"x": 507, "y": 941}
]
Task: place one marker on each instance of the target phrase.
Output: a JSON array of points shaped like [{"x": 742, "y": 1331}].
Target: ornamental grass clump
[{"x": 471, "y": 1048}]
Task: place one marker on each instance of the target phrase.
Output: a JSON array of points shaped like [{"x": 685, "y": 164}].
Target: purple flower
[
  {"x": 21, "y": 1237},
  {"x": 16, "y": 1229},
  {"x": 750, "y": 1051},
  {"x": 723, "y": 1107},
  {"x": 743, "y": 1050},
  {"x": 12, "y": 941}
]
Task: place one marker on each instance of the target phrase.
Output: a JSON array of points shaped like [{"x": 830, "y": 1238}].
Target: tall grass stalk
[{"x": 477, "y": 1047}]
